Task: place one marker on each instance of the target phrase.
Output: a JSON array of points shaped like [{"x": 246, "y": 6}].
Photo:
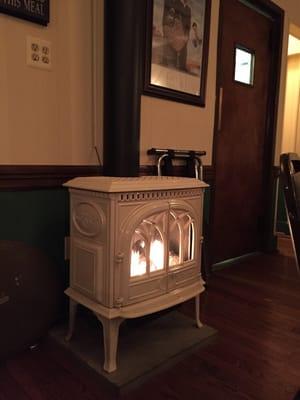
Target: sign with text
[{"x": 32, "y": 10}]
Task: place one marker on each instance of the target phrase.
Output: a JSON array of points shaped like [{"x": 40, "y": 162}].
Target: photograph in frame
[{"x": 177, "y": 43}]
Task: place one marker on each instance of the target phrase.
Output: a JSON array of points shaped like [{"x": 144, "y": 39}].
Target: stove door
[
  {"x": 184, "y": 234},
  {"x": 163, "y": 252}
]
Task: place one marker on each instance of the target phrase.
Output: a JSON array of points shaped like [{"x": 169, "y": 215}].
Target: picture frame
[{"x": 176, "y": 51}]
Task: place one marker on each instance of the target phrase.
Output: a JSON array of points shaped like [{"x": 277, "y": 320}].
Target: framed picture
[
  {"x": 36, "y": 11},
  {"x": 177, "y": 49}
]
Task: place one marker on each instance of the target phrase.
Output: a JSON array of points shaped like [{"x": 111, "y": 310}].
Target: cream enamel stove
[{"x": 135, "y": 249}]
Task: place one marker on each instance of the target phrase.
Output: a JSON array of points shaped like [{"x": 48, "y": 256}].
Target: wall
[
  {"x": 292, "y": 18},
  {"x": 291, "y": 126},
  {"x": 290, "y": 139},
  {"x": 46, "y": 116},
  {"x": 170, "y": 124},
  {"x": 38, "y": 218},
  {"x": 55, "y": 117}
]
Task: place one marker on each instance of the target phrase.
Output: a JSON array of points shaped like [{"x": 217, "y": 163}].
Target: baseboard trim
[{"x": 233, "y": 261}]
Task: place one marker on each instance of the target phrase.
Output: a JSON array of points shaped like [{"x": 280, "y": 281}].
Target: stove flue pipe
[{"x": 123, "y": 65}]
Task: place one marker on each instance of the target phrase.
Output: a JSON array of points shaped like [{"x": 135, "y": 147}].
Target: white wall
[
  {"x": 291, "y": 125},
  {"x": 167, "y": 124},
  {"x": 292, "y": 18},
  {"x": 170, "y": 124},
  {"x": 291, "y": 113},
  {"x": 49, "y": 117},
  {"x": 46, "y": 116}
]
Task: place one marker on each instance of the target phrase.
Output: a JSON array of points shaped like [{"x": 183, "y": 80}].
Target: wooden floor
[{"x": 255, "y": 306}]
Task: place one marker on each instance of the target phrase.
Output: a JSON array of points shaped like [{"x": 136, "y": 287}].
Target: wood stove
[{"x": 135, "y": 249}]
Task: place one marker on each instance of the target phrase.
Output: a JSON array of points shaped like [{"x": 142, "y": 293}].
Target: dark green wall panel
[{"x": 38, "y": 218}]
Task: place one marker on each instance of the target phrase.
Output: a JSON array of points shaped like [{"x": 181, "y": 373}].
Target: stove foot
[
  {"x": 197, "y": 307},
  {"x": 111, "y": 337},
  {"x": 72, "y": 316}
]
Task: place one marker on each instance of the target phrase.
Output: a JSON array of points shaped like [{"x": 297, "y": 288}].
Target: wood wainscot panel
[{"x": 28, "y": 177}]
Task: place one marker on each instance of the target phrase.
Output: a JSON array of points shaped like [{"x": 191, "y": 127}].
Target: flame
[
  {"x": 138, "y": 265},
  {"x": 156, "y": 255},
  {"x": 173, "y": 259}
]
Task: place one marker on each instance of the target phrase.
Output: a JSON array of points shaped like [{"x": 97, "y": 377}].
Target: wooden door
[{"x": 243, "y": 135}]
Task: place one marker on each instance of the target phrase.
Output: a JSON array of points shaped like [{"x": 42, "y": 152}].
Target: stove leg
[
  {"x": 197, "y": 307},
  {"x": 110, "y": 336},
  {"x": 72, "y": 316}
]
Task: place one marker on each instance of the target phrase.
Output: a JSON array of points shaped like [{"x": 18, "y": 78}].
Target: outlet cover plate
[{"x": 38, "y": 53}]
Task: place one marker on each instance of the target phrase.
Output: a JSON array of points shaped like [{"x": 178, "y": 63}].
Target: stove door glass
[
  {"x": 148, "y": 246},
  {"x": 181, "y": 238}
]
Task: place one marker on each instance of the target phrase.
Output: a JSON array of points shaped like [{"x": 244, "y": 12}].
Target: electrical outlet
[{"x": 38, "y": 53}]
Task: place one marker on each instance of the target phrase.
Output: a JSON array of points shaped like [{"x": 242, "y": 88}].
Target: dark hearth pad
[{"x": 147, "y": 345}]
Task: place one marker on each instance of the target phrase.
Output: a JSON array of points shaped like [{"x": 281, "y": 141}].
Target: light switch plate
[{"x": 38, "y": 53}]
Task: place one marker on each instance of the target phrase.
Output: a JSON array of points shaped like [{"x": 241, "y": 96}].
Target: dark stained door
[{"x": 241, "y": 150}]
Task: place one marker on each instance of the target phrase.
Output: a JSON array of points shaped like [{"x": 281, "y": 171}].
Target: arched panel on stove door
[
  {"x": 191, "y": 208},
  {"x": 144, "y": 222}
]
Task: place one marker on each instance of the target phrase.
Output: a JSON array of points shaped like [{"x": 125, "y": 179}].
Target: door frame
[{"x": 276, "y": 14}]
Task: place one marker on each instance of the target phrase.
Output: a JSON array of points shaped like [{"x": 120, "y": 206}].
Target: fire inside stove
[{"x": 164, "y": 240}]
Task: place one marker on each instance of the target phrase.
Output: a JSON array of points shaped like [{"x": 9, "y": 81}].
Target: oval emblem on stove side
[{"x": 87, "y": 219}]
